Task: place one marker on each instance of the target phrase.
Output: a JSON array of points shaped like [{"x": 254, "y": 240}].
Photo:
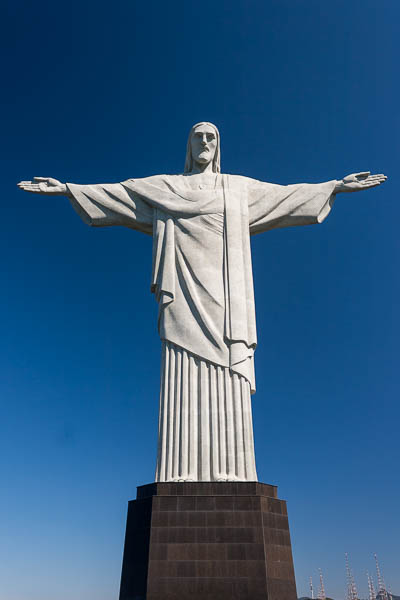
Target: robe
[{"x": 202, "y": 280}]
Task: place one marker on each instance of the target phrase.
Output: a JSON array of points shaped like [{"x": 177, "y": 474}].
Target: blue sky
[{"x": 99, "y": 92}]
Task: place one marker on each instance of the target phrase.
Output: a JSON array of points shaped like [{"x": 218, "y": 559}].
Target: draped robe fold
[{"x": 202, "y": 280}]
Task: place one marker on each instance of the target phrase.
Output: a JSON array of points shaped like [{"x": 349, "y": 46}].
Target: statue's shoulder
[
  {"x": 160, "y": 181},
  {"x": 242, "y": 181},
  {"x": 252, "y": 183},
  {"x": 149, "y": 179}
]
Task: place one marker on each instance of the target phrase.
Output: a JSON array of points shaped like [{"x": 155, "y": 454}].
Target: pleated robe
[{"x": 202, "y": 280}]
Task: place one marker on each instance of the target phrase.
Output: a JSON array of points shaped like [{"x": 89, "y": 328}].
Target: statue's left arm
[
  {"x": 99, "y": 205},
  {"x": 272, "y": 206}
]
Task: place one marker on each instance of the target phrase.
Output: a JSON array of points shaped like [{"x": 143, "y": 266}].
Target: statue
[{"x": 201, "y": 222}]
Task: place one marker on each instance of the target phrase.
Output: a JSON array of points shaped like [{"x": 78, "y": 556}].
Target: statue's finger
[
  {"x": 30, "y": 188},
  {"x": 374, "y": 184},
  {"x": 41, "y": 178},
  {"x": 363, "y": 174}
]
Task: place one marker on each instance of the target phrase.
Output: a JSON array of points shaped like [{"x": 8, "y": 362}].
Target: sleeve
[
  {"x": 272, "y": 206},
  {"x": 103, "y": 205}
]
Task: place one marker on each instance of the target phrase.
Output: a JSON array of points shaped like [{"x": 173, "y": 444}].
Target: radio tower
[
  {"x": 311, "y": 588},
  {"x": 321, "y": 591},
  {"x": 351, "y": 585},
  {"x": 382, "y": 593},
  {"x": 371, "y": 588}
]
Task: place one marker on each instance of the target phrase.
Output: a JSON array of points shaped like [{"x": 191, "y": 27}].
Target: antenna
[
  {"x": 321, "y": 591},
  {"x": 382, "y": 593},
  {"x": 351, "y": 584},
  {"x": 371, "y": 588},
  {"x": 311, "y": 588}
]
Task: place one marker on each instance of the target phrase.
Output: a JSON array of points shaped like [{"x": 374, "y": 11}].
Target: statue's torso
[{"x": 199, "y": 254}]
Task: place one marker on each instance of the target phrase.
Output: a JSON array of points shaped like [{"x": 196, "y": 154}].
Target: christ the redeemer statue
[{"x": 201, "y": 222}]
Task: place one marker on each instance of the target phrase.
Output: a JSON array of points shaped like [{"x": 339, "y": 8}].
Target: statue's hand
[
  {"x": 44, "y": 185},
  {"x": 359, "y": 181}
]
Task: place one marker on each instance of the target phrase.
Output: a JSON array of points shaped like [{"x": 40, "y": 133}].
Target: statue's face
[{"x": 204, "y": 144}]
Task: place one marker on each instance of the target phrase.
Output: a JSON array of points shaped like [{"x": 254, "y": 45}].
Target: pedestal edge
[{"x": 207, "y": 488}]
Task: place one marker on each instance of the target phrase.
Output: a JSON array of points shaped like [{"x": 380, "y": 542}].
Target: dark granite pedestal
[{"x": 207, "y": 541}]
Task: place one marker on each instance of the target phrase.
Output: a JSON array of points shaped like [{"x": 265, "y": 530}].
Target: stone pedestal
[{"x": 207, "y": 541}]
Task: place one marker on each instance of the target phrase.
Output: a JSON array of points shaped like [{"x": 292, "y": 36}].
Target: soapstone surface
[{"x": 201, "y": 222}]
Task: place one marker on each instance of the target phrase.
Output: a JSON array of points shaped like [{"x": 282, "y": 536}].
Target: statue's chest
[{"x": 208, "y": 199}]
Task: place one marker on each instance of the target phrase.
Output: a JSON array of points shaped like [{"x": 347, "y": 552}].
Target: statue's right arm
[
  {"x": 45, "y": 185},
  {"x": 99, "y": 205}
]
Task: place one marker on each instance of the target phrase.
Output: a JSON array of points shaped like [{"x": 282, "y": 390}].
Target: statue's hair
[{"x": 216, "y": 166}]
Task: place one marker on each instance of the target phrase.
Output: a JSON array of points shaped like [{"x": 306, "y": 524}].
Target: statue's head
[{"x": 203, "y": 147}]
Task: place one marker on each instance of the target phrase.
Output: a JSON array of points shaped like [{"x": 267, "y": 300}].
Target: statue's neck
[
  {"x": 209, "y": 178},
  {"x": 202, "y": 168}
]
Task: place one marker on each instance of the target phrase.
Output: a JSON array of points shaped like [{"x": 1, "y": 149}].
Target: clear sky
[{"x": 302, "y": 90}]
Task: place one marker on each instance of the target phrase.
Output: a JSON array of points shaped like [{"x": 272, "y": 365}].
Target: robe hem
[{"x": 214, "y": 363}]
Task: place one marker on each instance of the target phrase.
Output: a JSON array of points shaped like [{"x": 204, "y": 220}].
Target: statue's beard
[{"x": 205, "y": 155}]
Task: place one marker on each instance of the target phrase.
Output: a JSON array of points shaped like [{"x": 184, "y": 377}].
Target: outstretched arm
[
  {"x": 272, "y": 206},
  {"x": 359, "y": 181},
  {"x": 98, "y": 205},
  {"x": 44, "y": 185}
]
